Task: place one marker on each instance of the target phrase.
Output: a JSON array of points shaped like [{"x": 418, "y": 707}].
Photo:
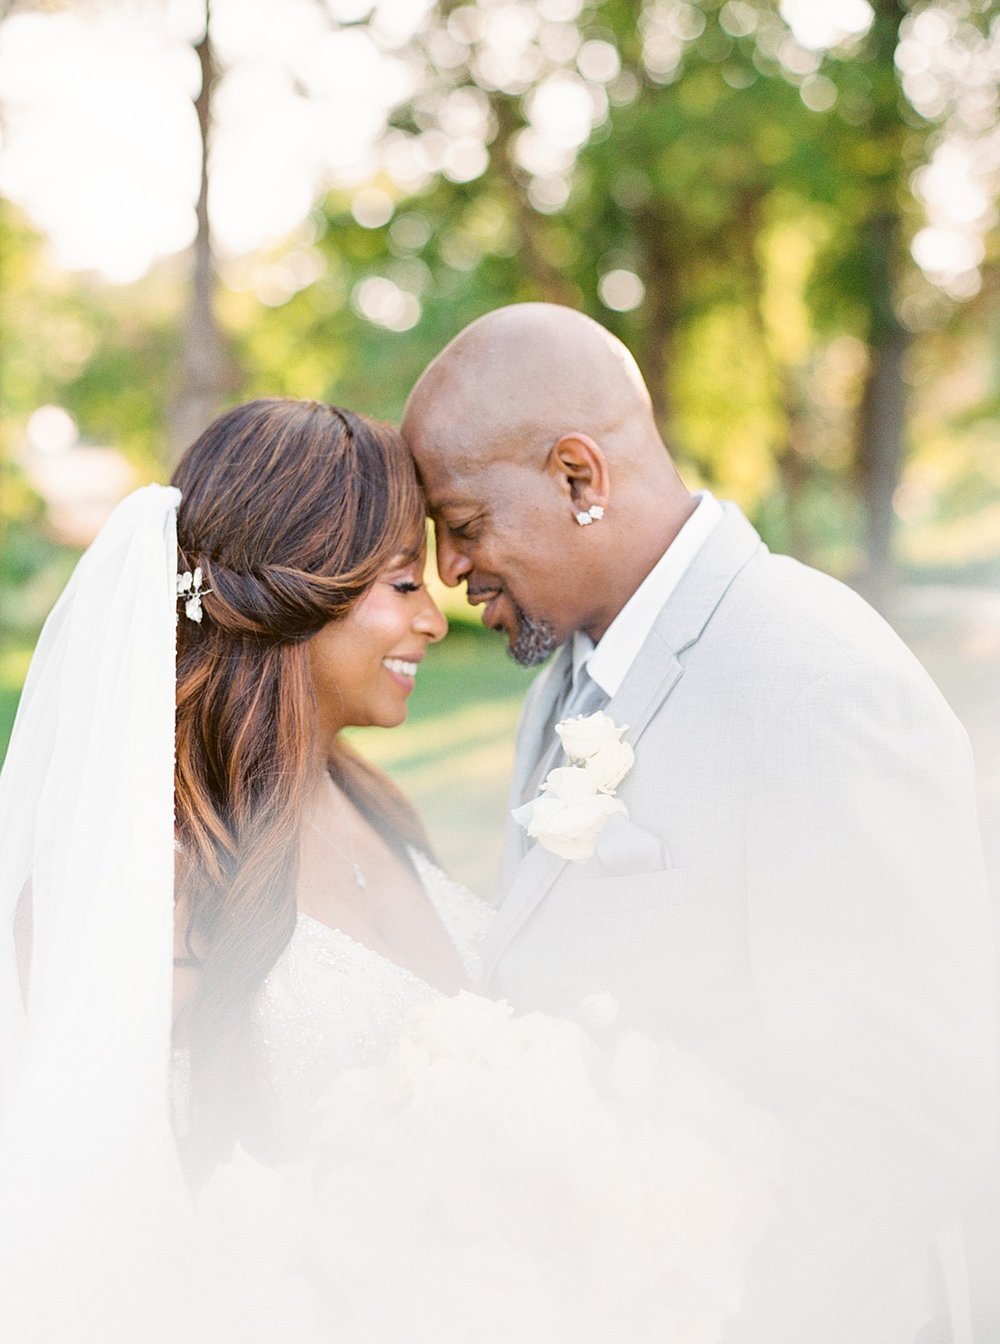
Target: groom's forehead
[
  {"x": 462, "y": 503},
  {"x": 457, "y": 478},
  {"x": 447, "y": 481},
  {"x": 451, "y": 502}
]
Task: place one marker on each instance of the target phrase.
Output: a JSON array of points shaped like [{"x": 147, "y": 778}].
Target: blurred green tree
[
  {"x": 206, "y": 372},
  {"x": 739, "y": 206}
]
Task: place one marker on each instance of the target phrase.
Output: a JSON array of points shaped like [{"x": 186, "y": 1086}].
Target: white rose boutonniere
[
  {"x": 576, "y": 800},
  {"x": 585, "y": 735}
]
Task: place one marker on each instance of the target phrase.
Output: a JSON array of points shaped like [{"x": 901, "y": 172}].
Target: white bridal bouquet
[{"x": 509, "y": 1180}]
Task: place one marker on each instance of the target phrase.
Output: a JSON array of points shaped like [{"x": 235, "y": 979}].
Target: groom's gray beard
[{"x": 533, "y": 642}]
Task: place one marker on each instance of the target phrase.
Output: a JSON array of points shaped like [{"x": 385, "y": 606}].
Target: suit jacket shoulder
[{"x": 786, "y": 627}]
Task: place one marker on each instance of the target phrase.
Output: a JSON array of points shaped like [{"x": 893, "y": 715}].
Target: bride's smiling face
[{"x": 364, "y": 666}]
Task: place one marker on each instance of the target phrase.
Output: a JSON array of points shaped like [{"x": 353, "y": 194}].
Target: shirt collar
[{"x": 608, "y": 661}]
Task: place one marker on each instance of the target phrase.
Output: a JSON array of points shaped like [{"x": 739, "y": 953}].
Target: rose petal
[
  {"x": 586, "y": 734},
  {"x": 609, "y": 765},
  {"x": 570, "y": 783},
  {"x": 570, "y": 830},
  {"x": 523, "y": 814}
]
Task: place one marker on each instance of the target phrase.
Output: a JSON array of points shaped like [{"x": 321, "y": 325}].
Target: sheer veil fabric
[{"x": 97, "y": 1232}]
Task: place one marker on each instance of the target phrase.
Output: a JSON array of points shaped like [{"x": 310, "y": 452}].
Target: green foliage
[
  {"x": 105, "y": 352},
  {"x": 747, "y": 215}
]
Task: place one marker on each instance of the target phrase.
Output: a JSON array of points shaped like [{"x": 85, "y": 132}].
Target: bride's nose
[{"x": 431, "y": 620}]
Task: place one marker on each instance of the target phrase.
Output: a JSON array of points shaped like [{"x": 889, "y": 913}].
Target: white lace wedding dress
[
  {"x": 458, "y": 1171},
  {"x": 330, "y": 1003}
]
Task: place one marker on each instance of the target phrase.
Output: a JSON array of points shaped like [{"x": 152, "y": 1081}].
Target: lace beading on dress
[{"x": 329, "y": 1002}]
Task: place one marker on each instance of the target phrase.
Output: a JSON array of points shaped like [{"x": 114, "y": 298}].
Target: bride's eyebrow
[{"x": 403, "y": 559}]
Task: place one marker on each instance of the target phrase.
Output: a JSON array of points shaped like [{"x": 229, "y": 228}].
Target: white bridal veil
[{"x": 94, "y": 1217}]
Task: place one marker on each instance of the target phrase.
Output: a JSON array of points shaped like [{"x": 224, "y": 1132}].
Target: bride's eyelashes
[{"x": 407, "y": 586}]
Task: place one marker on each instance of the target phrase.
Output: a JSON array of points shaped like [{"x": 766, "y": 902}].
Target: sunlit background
[
  {"x": 788, "y": 210},
  {"x": 101, "y": 144},
  {"x": 771, "y": 202}
]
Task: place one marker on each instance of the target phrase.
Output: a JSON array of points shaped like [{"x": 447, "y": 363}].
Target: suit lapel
[
  {"x": 648, "y": 684},
  {"x": 531, "y": 737},
  {"x": 650, "y": 681},
  {"x": 651, "y": 678},
  {"x": 684, "y": 616},
  {"x": 726, "y": 551}
]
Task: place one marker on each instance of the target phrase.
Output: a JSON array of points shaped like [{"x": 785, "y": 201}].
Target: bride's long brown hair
[{"x": 291, "y": 510}]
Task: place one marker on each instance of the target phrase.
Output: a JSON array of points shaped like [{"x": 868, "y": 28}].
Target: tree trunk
[
  {"x": 550, "y": 283},
  {"x": 793, "y": 457},
  {"x": 207, "y": 372},
  {"x": 882, "y": 415},
  {"x": 661, "y": 274},
  {"x": 881, "y": 423}
]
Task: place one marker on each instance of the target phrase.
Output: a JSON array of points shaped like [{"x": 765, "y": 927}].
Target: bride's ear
[{"x": 580, "y": 469}]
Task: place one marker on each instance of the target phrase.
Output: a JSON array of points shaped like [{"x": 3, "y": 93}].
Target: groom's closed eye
[{"x": 464, "y": 531}]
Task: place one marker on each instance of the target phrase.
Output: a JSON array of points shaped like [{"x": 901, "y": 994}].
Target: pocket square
[{"x": 623, "y": 847}]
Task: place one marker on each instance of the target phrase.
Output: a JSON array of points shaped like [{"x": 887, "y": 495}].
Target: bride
[
  {"x": 229, "y": 964},
  {"x": 286, "y": 560},
  {"x": 309, "y": 914}
]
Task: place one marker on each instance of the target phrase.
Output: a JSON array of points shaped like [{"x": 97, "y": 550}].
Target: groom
[{"x": 796, "y": 894}]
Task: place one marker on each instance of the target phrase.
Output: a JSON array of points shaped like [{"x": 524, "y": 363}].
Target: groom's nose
[{"x": 452, "y": 565}]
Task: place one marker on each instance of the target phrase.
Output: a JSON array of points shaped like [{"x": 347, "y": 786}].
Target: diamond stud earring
[{"x": 593, "y": 515}]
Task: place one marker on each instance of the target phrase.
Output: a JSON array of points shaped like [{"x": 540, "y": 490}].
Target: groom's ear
[{"x": 579, "y": 467}]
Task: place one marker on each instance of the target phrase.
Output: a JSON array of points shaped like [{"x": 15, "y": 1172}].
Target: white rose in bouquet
[{"x": 504, "y": 1179}]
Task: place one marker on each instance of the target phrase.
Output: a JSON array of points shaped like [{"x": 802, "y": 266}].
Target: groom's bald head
[
  {"x": 533, "y": 418},
  {"x": 513, "y": 382}
]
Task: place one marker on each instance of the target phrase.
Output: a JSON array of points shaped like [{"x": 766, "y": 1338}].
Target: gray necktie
[{"x": 582, "y": 696}]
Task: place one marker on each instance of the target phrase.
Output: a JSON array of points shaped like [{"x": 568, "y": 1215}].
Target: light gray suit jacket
[{"x": 798, "y": 898}]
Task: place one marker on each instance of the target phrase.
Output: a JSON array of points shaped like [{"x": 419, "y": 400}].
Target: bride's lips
[{"x": 403, "y": 671}]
